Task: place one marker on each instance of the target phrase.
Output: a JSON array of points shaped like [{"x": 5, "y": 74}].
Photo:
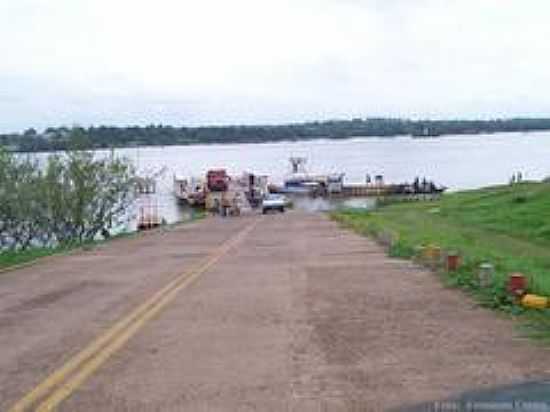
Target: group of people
[
  {"x": 418, "y": 186},
  {"x": 424, "y": 186},
  {"x": 516, "y": 178}
]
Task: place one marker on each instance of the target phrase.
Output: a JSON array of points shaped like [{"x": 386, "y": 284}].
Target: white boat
[{"x": 300, "y": 181}]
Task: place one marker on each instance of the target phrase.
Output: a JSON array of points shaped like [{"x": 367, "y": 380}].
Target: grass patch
[
  {"x": 508, "y": 226},
  {"x": 15, "y": 258}
]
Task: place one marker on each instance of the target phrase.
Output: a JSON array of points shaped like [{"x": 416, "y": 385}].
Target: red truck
[{"x": 217, "y": 180}]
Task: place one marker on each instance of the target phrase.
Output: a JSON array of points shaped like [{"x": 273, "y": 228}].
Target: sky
[{"x": 206, "y": 62}]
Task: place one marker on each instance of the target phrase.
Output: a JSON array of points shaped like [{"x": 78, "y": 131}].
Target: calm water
[{"x": 459, "y": 162}]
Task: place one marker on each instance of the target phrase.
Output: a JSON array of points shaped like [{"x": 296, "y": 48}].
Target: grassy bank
[
  {"x": 12, "y": 259},
  {"x": 508, "y": 226}
]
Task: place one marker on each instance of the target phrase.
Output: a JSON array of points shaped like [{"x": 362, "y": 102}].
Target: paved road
[{"x": 274, "y": 313}]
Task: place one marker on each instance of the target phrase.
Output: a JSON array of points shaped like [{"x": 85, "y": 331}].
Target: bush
[{"x": 73, "y": 197}]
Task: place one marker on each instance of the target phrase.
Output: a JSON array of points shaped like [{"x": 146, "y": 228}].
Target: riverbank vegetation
[
  {"x": 158, "y": 135},
  {"x": 70, "y": 198},
  {"x": 507, "y": 226}
]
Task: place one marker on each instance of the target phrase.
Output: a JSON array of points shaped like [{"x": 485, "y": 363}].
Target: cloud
[{"x": 245, "y": 61}]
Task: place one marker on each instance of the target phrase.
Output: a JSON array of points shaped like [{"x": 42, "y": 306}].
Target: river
[{"x": 458, "y": 162}]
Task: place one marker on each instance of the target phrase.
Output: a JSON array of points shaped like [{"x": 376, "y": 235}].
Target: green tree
[
  {"x": 22, "y": 218},
  {"x": 74, "y": 197},
  {"x": 87, "y": 195}
]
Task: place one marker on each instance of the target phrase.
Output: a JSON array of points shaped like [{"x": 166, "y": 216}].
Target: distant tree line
[{"x": 160, "y": 135}]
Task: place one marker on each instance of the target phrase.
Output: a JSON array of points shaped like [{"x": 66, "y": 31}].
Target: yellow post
[
  {"x": 432, "y": 254},
  {"x": 535, "y": 301}
]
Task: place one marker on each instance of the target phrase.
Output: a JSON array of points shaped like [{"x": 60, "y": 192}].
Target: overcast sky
[{"x": 195, "y": 62}]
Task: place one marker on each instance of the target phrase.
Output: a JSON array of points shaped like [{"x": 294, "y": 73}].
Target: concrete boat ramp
[{"x": 255, "y": 313}]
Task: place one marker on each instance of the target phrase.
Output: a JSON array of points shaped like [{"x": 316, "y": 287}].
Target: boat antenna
[{"x": 298, "y": 164}]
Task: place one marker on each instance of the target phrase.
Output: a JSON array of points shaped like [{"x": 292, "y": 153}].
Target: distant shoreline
[{"x": 108, "y": 137}]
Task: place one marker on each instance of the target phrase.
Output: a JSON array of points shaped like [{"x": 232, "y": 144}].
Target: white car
[{"x": 274, "y": 202}]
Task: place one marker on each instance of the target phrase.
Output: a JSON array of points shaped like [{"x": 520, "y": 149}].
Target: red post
[
  {"x": 453, "y": 262},
  {"x": 517, "y": 284}
]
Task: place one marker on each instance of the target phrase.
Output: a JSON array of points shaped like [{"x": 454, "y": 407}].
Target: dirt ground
[{"x": 301, "y": 316}]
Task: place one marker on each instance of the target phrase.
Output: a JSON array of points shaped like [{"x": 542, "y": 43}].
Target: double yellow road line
[{"x": 64, "y": 381}]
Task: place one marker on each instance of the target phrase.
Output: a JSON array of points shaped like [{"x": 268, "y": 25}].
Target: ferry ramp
[{"x": 284, "y": 312}]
